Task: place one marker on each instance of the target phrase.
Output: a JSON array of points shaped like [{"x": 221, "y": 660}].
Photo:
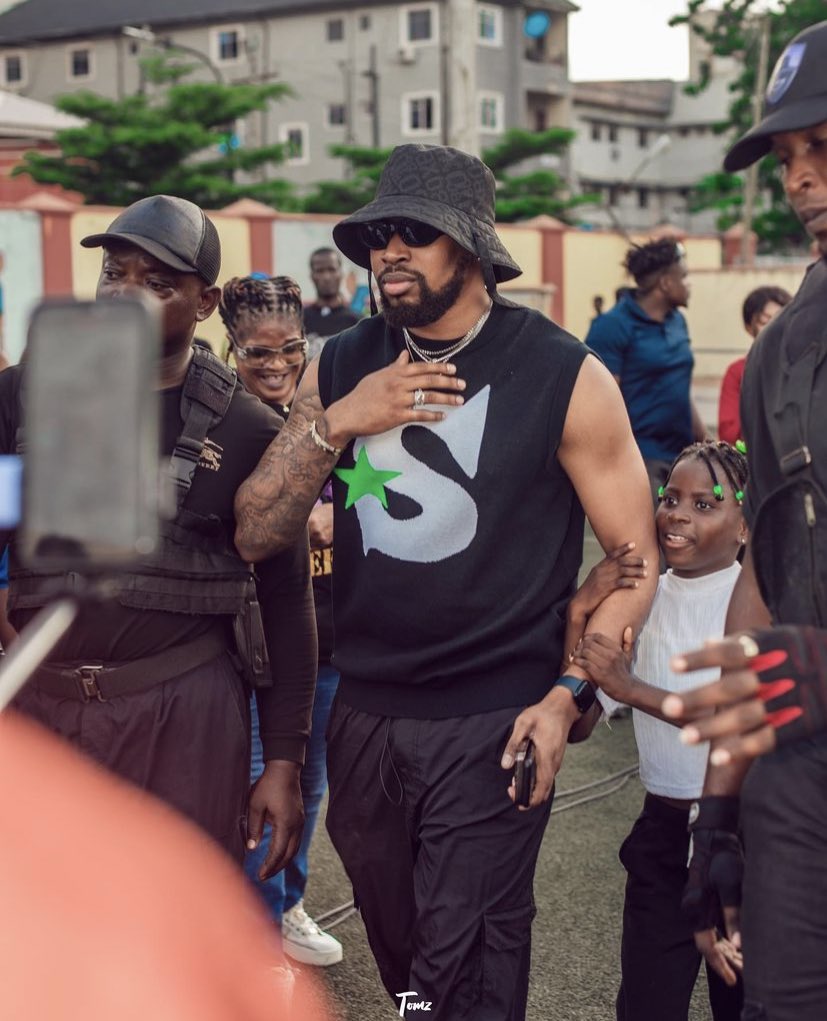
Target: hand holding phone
[{"x": 524, "y": 774}]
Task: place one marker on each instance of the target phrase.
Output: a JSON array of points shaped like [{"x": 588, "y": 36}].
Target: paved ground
[{"x": 578, "y": 890}]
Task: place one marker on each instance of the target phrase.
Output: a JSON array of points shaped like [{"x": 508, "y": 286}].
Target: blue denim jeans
[{"x": 284, "y": 890}]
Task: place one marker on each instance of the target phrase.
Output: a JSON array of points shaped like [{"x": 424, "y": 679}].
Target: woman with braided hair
[
  {"x": 263, "y": 317},
  {"x": 700, "y": 529}
]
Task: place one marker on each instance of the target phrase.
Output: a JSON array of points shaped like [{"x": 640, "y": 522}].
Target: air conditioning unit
[{"x": 407, "y": 55}]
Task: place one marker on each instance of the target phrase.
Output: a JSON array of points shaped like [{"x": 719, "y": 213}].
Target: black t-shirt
[
  {"x": 324, "y": 321},
  {"x": 110, "y": 632},
  {"x": 457, "y": 543}
]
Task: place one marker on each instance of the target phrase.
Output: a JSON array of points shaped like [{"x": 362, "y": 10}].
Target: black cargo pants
[
  {"x": 784, "y": 914},
  {"x": 186, "y": 740},
  {"x": 441, "y": 862}
]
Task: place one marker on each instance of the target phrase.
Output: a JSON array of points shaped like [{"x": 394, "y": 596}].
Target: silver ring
[
  {"x": 419, "y": 398},
  {"x": 749, "y": 646}
]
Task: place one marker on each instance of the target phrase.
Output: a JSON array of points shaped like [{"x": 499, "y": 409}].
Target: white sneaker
[{"x": 305, "y": 942}]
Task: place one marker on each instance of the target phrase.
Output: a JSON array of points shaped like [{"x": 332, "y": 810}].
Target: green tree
[
  {"x": 733, "y": 29},
  {"x": 521, "y": 196},
  {"x": 173, "y": 137},
  {"x": 364, "y": 166},
  {"x": 518, "y": 197}
]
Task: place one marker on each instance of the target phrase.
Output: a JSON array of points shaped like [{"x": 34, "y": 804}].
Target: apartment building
[
  {"x": 643, "y": 145},
  {"x": 368, "y": 73}
]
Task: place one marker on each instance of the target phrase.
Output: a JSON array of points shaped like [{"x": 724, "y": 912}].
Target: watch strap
[{"x": 582, "y": 692}]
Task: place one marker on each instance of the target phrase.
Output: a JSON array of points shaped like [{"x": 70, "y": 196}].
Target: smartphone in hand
[{"x": 524, "y": 775}]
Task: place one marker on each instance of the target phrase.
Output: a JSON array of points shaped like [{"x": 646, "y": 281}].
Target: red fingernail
[
  {"x": 767, "y": 660},
  {"x": 774, "y": 689},
  {"x": 784, "y": 716}
]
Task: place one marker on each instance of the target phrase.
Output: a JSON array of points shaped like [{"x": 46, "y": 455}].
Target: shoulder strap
[{"x": 208, "y": 390}]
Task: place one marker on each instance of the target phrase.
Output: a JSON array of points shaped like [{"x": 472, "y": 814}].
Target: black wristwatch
[{"x": 581, "y": 691}]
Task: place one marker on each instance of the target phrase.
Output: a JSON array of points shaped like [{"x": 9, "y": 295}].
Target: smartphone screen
[
  {"x": 91, "y": 463},
  {"x": 11, "y": 483}
]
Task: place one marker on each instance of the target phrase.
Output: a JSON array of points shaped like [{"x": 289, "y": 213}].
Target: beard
[{"x": 432, "y": 304}]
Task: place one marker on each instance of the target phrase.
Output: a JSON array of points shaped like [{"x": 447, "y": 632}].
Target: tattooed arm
[{"x": 273, "y": 505}]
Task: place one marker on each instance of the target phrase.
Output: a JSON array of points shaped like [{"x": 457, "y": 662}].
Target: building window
[
  {"x": 612, "y": 132},
  {"x": 491, "y": 117},
  {"x": 227, "y": 45},
  {"x": 294, "y": 138},
  {"x": 643, "y": 198},
  {"x": 614, "y": 195},
  {"x": 540, "y": 119},
  {"x": 336, "y": 115},
  {"x": 489, "y": 25},
  {"x": 596, "y": 133},
  {"x": 14, "y": 69},
  {"x": 335, "y": 30},
  {"x": 80, "y": 64},
  {"x": 642, "y": 138},
  {"x": 418, "y": 24},
  {"x": 420, "y": 113},
  {"x": 364, "y": 22}
]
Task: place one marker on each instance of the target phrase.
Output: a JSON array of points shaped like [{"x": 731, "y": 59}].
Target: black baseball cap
[
  {"x": 175, "y": 231},
  {"x": 796, "y": 97}
]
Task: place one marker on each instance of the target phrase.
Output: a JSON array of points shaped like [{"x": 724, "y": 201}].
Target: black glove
[
  {"x": 716, "y": 865},
  {"x": 791, "y": 664}
]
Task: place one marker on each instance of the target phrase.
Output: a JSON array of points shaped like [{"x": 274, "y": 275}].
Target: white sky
[{"x": 610, "y": 39}]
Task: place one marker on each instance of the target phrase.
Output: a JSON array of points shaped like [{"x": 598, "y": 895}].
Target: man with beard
[{"x": 468, "y": 431}]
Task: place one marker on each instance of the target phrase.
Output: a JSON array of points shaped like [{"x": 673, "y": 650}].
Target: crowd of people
[{"x": 436, "y": 684}]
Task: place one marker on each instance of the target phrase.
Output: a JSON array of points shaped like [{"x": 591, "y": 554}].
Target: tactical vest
[
  {"x": 195, "y": 568},
  {"x": 789, "y": 535}
]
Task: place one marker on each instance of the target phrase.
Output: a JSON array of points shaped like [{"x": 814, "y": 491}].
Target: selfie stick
[{"x": 33, "y": 646}]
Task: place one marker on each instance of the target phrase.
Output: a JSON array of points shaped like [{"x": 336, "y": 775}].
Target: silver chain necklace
[{"x": 427, "y": 356}]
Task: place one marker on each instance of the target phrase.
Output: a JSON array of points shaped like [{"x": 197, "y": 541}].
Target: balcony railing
[{"x": 548, "y": 76}]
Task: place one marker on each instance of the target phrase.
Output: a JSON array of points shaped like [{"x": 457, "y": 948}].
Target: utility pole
[
  {"x": 460, "y": 63},
  {"x": 346, "y": 67},
  {"x": 372, "y": 76},
  {"x": 751, "y": 183}
]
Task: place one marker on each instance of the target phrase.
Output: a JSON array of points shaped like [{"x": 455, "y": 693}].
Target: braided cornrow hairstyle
[
  {"x": 248, "y": 301},
  {"x": 731, "y": 462}
]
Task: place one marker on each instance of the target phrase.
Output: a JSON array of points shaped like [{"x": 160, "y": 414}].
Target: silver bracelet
[{"x": 328, "y": 448}]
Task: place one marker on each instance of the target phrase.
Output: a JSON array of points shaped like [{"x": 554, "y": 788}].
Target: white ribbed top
[{"x": 685, "y": 613}]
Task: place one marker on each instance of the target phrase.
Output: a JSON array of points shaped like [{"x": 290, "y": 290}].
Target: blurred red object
[{"x": 113, "y": 906}]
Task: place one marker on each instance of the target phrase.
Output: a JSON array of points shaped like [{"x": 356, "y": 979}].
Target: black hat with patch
[{"x": 796, "y": 97}]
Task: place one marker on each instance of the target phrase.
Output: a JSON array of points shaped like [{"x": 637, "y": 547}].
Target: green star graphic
[{"x": 364, "y": 480}]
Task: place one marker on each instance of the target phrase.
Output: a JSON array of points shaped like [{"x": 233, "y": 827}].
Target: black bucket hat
[
  {"x": 441, "y": 186},
  {"x": 175, "y": 231},
  {"x": 796, "y": 97}
]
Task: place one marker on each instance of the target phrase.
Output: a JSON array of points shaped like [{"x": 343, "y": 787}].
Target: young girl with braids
[
  {"x": 263, "y": 317},
  {"x": 700, "y": 532}
]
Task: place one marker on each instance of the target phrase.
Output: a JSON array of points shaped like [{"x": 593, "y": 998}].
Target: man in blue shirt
[{"x": 644, "y": 343}]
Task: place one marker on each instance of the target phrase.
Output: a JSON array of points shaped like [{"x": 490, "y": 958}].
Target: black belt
[{"x": 87, "y": 681}]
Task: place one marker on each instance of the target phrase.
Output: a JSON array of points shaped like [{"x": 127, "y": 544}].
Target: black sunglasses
[{"x": 377, "y": 234}]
